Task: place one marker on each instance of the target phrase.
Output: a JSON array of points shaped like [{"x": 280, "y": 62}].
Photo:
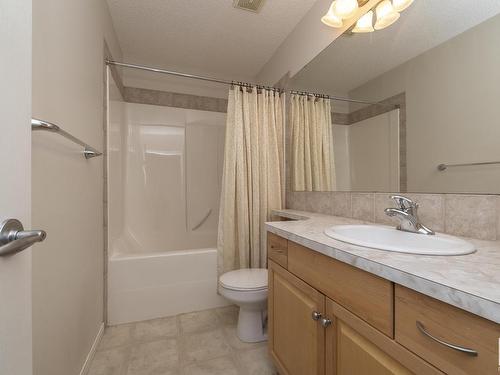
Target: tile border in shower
[
  {"x": 171, "y": 99},
  {"x": 140, "y": 95}
]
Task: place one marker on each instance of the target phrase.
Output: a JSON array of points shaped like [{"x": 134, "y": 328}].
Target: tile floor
[{"x": 199, "y": 343}]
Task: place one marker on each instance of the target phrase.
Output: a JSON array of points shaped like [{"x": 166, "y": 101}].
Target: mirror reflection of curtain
[
  {"x": 312, "y": 144},
  {"x": 252, "y": 177}
]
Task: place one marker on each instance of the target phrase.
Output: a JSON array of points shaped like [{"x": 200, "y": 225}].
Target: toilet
[{"x": 247, "y": 288}]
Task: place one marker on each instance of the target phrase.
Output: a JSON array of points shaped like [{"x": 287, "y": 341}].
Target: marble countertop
[{"x": 470, "y": 282}]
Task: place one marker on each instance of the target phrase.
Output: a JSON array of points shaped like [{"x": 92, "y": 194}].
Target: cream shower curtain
[
  {"x": 313, "y": 166},
  {"x": 252, "y": 176}
]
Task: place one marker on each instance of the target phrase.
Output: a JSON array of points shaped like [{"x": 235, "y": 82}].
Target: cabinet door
[
  {"x": 355, "y": 347},
  {"x": 296, "y": 340}
]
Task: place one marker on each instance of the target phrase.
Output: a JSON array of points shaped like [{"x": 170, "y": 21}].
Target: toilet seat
[{"x": 245, "y": 280}]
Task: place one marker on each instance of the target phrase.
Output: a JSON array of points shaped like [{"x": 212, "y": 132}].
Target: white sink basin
[{"x": 391, "y": 239}]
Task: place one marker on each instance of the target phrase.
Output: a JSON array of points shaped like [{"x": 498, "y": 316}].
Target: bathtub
[
  {"x": 160, "y": 284},
  {"x": 164, "y": 182}
]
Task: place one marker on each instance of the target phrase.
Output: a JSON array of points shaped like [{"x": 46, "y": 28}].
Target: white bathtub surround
[
  {"x": 148, "y": 286},
  {"x": 165, "y": 167},
  {"x": 469, "y": 282},
  {"x": 313, "y": 167},
  {"x": 172, "y": 168},
  {"x": 252, "y": 178}
]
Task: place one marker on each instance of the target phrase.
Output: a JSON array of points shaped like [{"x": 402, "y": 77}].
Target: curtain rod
[
  {"x": 186, "y": 75},
  {"x": 326, "y": 96},
  {"x": 226, "y": 82}
]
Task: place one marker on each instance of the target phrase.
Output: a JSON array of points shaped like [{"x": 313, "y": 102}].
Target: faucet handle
[{"x": 405, "y": 204}]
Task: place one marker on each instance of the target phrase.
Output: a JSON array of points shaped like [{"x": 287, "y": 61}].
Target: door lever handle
[{"x": 13, "y": 237}]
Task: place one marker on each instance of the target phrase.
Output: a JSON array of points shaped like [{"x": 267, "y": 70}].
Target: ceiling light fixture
[
  {"x": 400, "y": 5},
  {"x": 364, "y": 24},
  {"x": 346, "y": 8},
  {"x": 386, "y": 13},
  {"x": 331, "y": 19}
]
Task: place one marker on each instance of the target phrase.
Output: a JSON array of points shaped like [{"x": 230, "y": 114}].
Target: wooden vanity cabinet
[
  {"x": 277, "y": 249},
  {"x": 296, "y": 341},
  {"x": 313, "y": 333},
  {"x": 364, "y": 294}
]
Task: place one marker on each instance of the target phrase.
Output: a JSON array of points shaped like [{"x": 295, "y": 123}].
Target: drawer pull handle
[{"x": 468, "y": 351}]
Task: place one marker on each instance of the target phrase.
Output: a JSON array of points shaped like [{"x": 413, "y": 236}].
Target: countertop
[{"x": 470, "y": 282}]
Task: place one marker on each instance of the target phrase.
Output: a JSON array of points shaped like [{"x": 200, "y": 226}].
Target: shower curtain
[
  {"x": 313, "y": 166},
  {"x": 252, "y": 176}
]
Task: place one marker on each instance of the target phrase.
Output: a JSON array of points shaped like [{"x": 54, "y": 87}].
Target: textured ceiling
[
  {"x": 351, "y": 61},
  {"x": 204, "y": 36}
]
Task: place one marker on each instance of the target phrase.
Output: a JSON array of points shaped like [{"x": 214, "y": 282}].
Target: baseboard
[{"x": 90, "y": 356}]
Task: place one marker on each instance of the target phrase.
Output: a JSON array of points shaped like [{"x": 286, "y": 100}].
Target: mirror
[{"x": 430, "y": 117}]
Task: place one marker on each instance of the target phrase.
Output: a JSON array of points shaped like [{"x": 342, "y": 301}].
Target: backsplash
[{"x": 474, "y": 216}]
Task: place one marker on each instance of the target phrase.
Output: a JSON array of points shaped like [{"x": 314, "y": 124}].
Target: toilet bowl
[{"x": 247, "y": 288}]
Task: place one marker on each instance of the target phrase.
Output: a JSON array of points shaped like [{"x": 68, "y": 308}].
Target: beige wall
[
  {"x": 452, "y": 96},
  {"x": 67, "y": 190}
]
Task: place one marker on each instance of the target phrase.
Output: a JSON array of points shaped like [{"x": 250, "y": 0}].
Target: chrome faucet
[{"x": 407, "y": 213}]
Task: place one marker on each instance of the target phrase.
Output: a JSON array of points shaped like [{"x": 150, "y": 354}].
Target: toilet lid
[{"x": 245, "y": 279}]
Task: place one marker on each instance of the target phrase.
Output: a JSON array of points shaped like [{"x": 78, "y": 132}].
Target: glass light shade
[
  {"x": 331, "y": 19},
  {"x": 346, "y": 8},
  {"x": 386, "y": 15},
  {"x": 400, "y": 5},
  {"x": 364, "y": 24}
]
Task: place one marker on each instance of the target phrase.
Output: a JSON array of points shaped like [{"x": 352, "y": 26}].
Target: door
[
  {"x": 15, "y": 160},
  {"x": 355, "y": 347},
  {"x": 296, "y": 336},
  {"x": 354, "y": 354}
]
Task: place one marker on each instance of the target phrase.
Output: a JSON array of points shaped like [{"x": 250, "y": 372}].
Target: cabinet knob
[
  {"x": 325, "y": 322},
  {"x": 316, "y": 315}
]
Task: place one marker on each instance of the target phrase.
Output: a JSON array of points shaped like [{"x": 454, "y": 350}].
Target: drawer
[
  {"x": 450, "y": 325},
  {"x": 368, "y": 296},
  {"x": 277, "y": 249}
]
